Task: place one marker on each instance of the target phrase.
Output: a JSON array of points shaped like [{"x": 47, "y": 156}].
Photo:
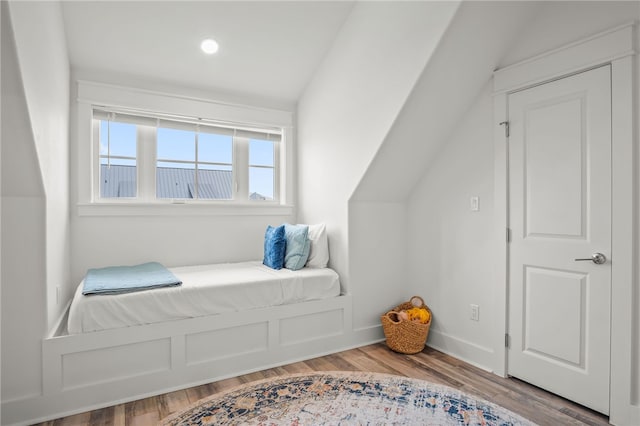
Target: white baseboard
[{"x": 474, "y": 354}]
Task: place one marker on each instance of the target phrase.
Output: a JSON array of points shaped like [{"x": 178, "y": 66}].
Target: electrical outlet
[
  {"x": 57, "y": 295},
  {"x": 475, "y": 203},
  {"x": 475, "y": 312}
]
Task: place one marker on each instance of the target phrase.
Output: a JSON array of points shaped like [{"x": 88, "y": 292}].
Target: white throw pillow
[{"x": 319, "y": 253}]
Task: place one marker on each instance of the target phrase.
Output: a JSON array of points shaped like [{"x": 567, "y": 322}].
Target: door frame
[{"x": 616, "y": 48}]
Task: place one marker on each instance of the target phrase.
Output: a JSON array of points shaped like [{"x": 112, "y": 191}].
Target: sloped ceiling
[
  {"x": 478, "y": 38},
  {"x": 19, "y": 156},
  {"x": 268, "y": 49}
]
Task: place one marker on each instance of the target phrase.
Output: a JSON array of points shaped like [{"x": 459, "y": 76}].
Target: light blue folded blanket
[{"x": 126, "y": 279}]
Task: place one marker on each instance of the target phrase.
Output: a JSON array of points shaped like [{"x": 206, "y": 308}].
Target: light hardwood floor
[{"x": 529, "y": 401}]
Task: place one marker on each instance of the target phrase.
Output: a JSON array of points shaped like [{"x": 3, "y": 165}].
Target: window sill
[{"x": 183, "y": 209}]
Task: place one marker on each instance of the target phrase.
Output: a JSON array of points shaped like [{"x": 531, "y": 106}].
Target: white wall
[
  {"x": 343, "y": 117},
  {"x": 44, "y": 68},
  {"x": 635, "y": 359},
  {"x": 22, "y": 234},
  {"x": 561, "y": 22},
  {"x": 449, "y": 251},
  {"x": 100, "y": 241},
  {"x": 378, "y": 260},
  {"x": 635, "y": 347},
  {"x": 1, "y": 27},
  {"x": 465, "y": 58},
  {"x": 35, "y": 205},
  {"x": 450, "y": 261}
]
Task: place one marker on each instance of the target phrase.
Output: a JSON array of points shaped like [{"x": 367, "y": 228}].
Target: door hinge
[
  {"x": 506, "y": 340},
  {"x": 506, "y": 128},
  {"x": 508, "y": 235}
]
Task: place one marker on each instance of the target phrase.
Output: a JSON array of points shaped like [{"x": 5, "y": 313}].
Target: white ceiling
[{"x": 268, "y": 49}]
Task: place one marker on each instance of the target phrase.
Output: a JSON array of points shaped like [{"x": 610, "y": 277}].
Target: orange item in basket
[{"x": 419, "y": 314}]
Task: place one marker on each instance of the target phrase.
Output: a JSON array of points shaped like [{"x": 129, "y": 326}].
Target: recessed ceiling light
[{"x": 209, "y": 46}]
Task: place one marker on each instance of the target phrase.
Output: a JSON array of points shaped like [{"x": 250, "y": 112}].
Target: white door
[{"x": 560, "y": 211}]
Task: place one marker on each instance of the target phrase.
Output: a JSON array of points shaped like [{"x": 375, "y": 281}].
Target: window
[
  {"x": 194, "y": 164},
  {"x": 155, "y": 158},
  {"x": 118, "y": 170},
  {"x": 261, "y": 169}
]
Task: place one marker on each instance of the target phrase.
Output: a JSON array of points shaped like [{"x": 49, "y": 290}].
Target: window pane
[
  {"x": 215, "y": 184},
  {"x": 118, "y": 181},
  {"x": 260, "y": 153},
  {"x": 117, "y": 139},
  {"x": 176, "y": 144},
  {"x": 118, "y": 173},
  {"x": 260, "y": 183},
  {"x": 175, "y": 180},
  {"x": 214, "y": 148}
]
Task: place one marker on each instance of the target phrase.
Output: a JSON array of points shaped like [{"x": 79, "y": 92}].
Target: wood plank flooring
[{"x": 529, "y": 401}]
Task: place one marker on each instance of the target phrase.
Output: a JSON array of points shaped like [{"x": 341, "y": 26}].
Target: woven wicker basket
[{"x": 407, "y": 337}]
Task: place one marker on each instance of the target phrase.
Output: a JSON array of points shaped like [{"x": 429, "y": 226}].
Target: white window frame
[
  {"x": 97, "y": 95},
  {"x": 146, "y": 156}
]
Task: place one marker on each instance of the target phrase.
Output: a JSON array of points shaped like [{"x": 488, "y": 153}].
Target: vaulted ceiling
[{"x": 268, "y": 49}]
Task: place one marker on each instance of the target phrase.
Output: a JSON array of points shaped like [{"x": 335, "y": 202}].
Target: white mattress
[{"x": 205, "y": 290}]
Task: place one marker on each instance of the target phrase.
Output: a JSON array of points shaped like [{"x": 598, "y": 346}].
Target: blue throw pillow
[
  {"x": 298, "y": 245},
  {"x": 274, "y": 247}
]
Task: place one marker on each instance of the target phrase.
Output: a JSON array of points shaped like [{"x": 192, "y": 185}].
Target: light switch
[{"x": 475, "y": 204}]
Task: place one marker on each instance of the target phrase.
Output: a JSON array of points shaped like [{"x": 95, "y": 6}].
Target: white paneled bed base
[{"x": 86, "y": 371}]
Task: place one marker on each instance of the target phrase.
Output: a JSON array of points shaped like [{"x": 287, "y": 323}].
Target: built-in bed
[
  {"x": 205, "y": 290},
  {"x": 224, "y": 320}
]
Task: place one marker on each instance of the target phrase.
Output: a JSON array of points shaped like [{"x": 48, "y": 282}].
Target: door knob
[{"x": 597, "y": 258}]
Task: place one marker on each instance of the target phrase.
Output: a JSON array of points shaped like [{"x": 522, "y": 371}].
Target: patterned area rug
[{"x": 344, "y": 399}]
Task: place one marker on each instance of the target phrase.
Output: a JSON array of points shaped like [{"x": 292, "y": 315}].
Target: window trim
[
  {"x": 89, "y": 203},
  {"x": 177, "y": 208}
]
